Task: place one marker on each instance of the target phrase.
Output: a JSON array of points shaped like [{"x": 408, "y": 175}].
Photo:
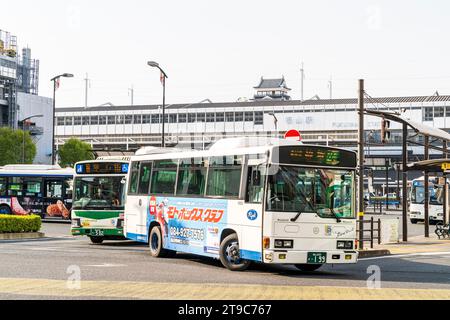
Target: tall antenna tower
[
  {"x": 131, "y": 94},
  {"x": 302, "y": 72},
  {"x": 330, "y": 86},
  {"x": 87, "y": 86}
]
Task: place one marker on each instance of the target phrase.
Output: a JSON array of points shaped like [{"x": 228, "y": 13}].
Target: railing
[{"x": 373, "y": 227}]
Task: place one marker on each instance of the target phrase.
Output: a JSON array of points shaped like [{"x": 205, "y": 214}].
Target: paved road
[{"x": 51, "y": 259}]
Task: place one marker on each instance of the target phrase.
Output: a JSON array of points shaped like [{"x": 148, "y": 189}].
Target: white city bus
[
  {"x": 417, "y": 201},
  {"x": 241, "y": 201}
]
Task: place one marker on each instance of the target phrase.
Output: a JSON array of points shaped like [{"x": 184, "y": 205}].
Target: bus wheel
[
  {"x": 5, "y": 210},
  {"x": 97, "y": 240},
  {"x": 308, "y": 267},
  {"x": 414, "y": 221},
  {"x": 155, "y": 242},
  {"x": 230, "y": 254}
]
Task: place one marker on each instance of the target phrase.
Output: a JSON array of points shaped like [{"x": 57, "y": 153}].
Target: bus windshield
[
  {"x": 329, "y": 193},
  {"x": 97, "y": 193},
  {"x": 436, "y": 195}
]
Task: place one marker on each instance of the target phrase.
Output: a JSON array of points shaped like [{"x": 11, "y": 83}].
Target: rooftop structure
[{"x": 272, "y": 89}]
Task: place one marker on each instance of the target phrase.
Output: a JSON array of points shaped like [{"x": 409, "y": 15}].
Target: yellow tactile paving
[{"x": 172, "y": 291}]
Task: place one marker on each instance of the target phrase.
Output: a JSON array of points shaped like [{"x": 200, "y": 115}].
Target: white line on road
[{"x": 106, "y": 265}]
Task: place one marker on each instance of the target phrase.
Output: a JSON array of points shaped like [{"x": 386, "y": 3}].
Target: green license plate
[
  {"x": 317, "y": 258},
  {"x": 97, "y": 233}
]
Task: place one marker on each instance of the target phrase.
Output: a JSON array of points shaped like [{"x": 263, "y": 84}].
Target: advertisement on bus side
[{"x": 189, "y": 225}]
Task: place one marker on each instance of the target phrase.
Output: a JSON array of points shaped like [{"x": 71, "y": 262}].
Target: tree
[
  {"x": 16, "y": 147},
  {"x": 74, "y": 151}
]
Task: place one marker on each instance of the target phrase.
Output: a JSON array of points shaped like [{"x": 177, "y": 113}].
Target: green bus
[{"x": 98, "y": 199}]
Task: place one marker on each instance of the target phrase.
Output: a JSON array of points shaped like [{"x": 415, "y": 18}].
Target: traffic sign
[
  {"x": 293, "y": 135},
  {"x": 446, "y": 167}
]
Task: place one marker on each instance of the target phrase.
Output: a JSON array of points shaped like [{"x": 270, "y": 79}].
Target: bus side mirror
[{"x": 256, "y": 177}]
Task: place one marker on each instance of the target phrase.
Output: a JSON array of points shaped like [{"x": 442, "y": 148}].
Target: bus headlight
[
  {"x": 345, "y": 245},
  {"x": 120, "y": 223},
  {"x": 76, "y": 223},
  {"x": 284, "y": 244}
]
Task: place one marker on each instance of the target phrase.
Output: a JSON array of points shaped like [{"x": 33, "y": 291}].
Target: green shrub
[{"x": 19, "y": 224}]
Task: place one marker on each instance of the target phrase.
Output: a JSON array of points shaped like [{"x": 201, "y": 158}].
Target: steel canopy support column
[
  {"x": 427, "y": 190},
  {"x": 405, "y": 183}
]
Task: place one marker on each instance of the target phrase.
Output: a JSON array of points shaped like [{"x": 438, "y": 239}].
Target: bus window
[
  {"x": 255, "y": 184},
  {"x": 68, "y": 185},
  {"x": 192, "y": 177},
  {"x": 15, "y": 187},
  {"x": 134, "y": 178},
  {"x": 224, "y": 177},
  {"x": 144, "y": 178},
  {"x": 164, "y": 176},
  {"x": 32, "y": 187},
  {"x": 3, "y": 184},
  {"x": 53, "y": 189}
]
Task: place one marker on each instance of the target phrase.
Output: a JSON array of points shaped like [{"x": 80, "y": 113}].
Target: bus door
[
  {"x": 252, "y": 209},
  {"x": 54, "y": 201}
]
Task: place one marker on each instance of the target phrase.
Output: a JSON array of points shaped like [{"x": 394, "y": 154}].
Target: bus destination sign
[
  {"x": 102, "y": 168},
  {"x": 320, "y": 156}
]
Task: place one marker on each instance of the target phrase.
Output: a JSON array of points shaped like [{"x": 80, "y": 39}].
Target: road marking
[
  {"x": 408, "y": 255},
  {"x": 202, "y": 291},
  {"x": 106, "y": 265}
]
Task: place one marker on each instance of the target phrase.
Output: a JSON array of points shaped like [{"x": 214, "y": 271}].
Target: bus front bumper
[
  {"x": 96, "y": 231},
  {"x": 305, "y": 257}
]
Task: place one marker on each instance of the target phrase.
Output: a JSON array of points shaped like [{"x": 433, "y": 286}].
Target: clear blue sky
[{"x": 220, "y": 49}]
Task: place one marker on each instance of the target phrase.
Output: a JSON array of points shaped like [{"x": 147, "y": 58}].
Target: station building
[{"x": 113, "y": 130}]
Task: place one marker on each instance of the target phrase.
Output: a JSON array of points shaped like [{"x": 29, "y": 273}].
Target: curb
[
  {"x": 373, "y": 253},
  {"x": 56, "y": 221},
  {"x": 19, "y": 236}
]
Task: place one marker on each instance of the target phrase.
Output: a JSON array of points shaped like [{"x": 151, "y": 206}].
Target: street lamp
[
  {"x": 23, "y": 136},
  {"x": 275, "y": 121},
  {"x": 163, "y": 80},
  {"x": 55, "y": 86}
]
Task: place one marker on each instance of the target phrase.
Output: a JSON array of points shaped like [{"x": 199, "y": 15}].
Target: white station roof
[{"x": 418, "y": 127}]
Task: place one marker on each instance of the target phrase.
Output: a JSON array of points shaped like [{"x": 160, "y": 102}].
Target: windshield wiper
[{"x": 296, "y": 217}]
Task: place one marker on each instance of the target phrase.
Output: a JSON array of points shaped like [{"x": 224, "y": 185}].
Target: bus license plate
[
  {"x": 317, "y": 258},
  {"x": 97, "y": 233}
]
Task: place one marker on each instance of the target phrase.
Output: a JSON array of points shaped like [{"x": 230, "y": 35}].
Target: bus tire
[
  {"x": 308, "y": 267},
  {"x": 230, "y": 255},
  {"x": 155, "y": 243},
  {"x": 4, "y": 209},
  {"x": 414, "y": 221},
  {"x": 97, "y": 240}
]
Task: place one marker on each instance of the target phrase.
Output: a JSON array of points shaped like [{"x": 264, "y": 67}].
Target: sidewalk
[{"x": 418, "y": 244}]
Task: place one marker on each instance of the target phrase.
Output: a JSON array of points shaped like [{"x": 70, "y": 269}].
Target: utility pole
[
  {"x": 302, "y": 72},
  {"x": 427, "y": 190},
  {"x": 405, "y": 182},
  {"x": 87, "y": 86},
  {"x": 131, "y": 93},
  {"x": 361, "y": 208}
]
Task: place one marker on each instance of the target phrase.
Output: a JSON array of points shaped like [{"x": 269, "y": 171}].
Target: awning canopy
[
  {"x": 436, "y": 166},
  {"x": 418, "y": 127}
]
